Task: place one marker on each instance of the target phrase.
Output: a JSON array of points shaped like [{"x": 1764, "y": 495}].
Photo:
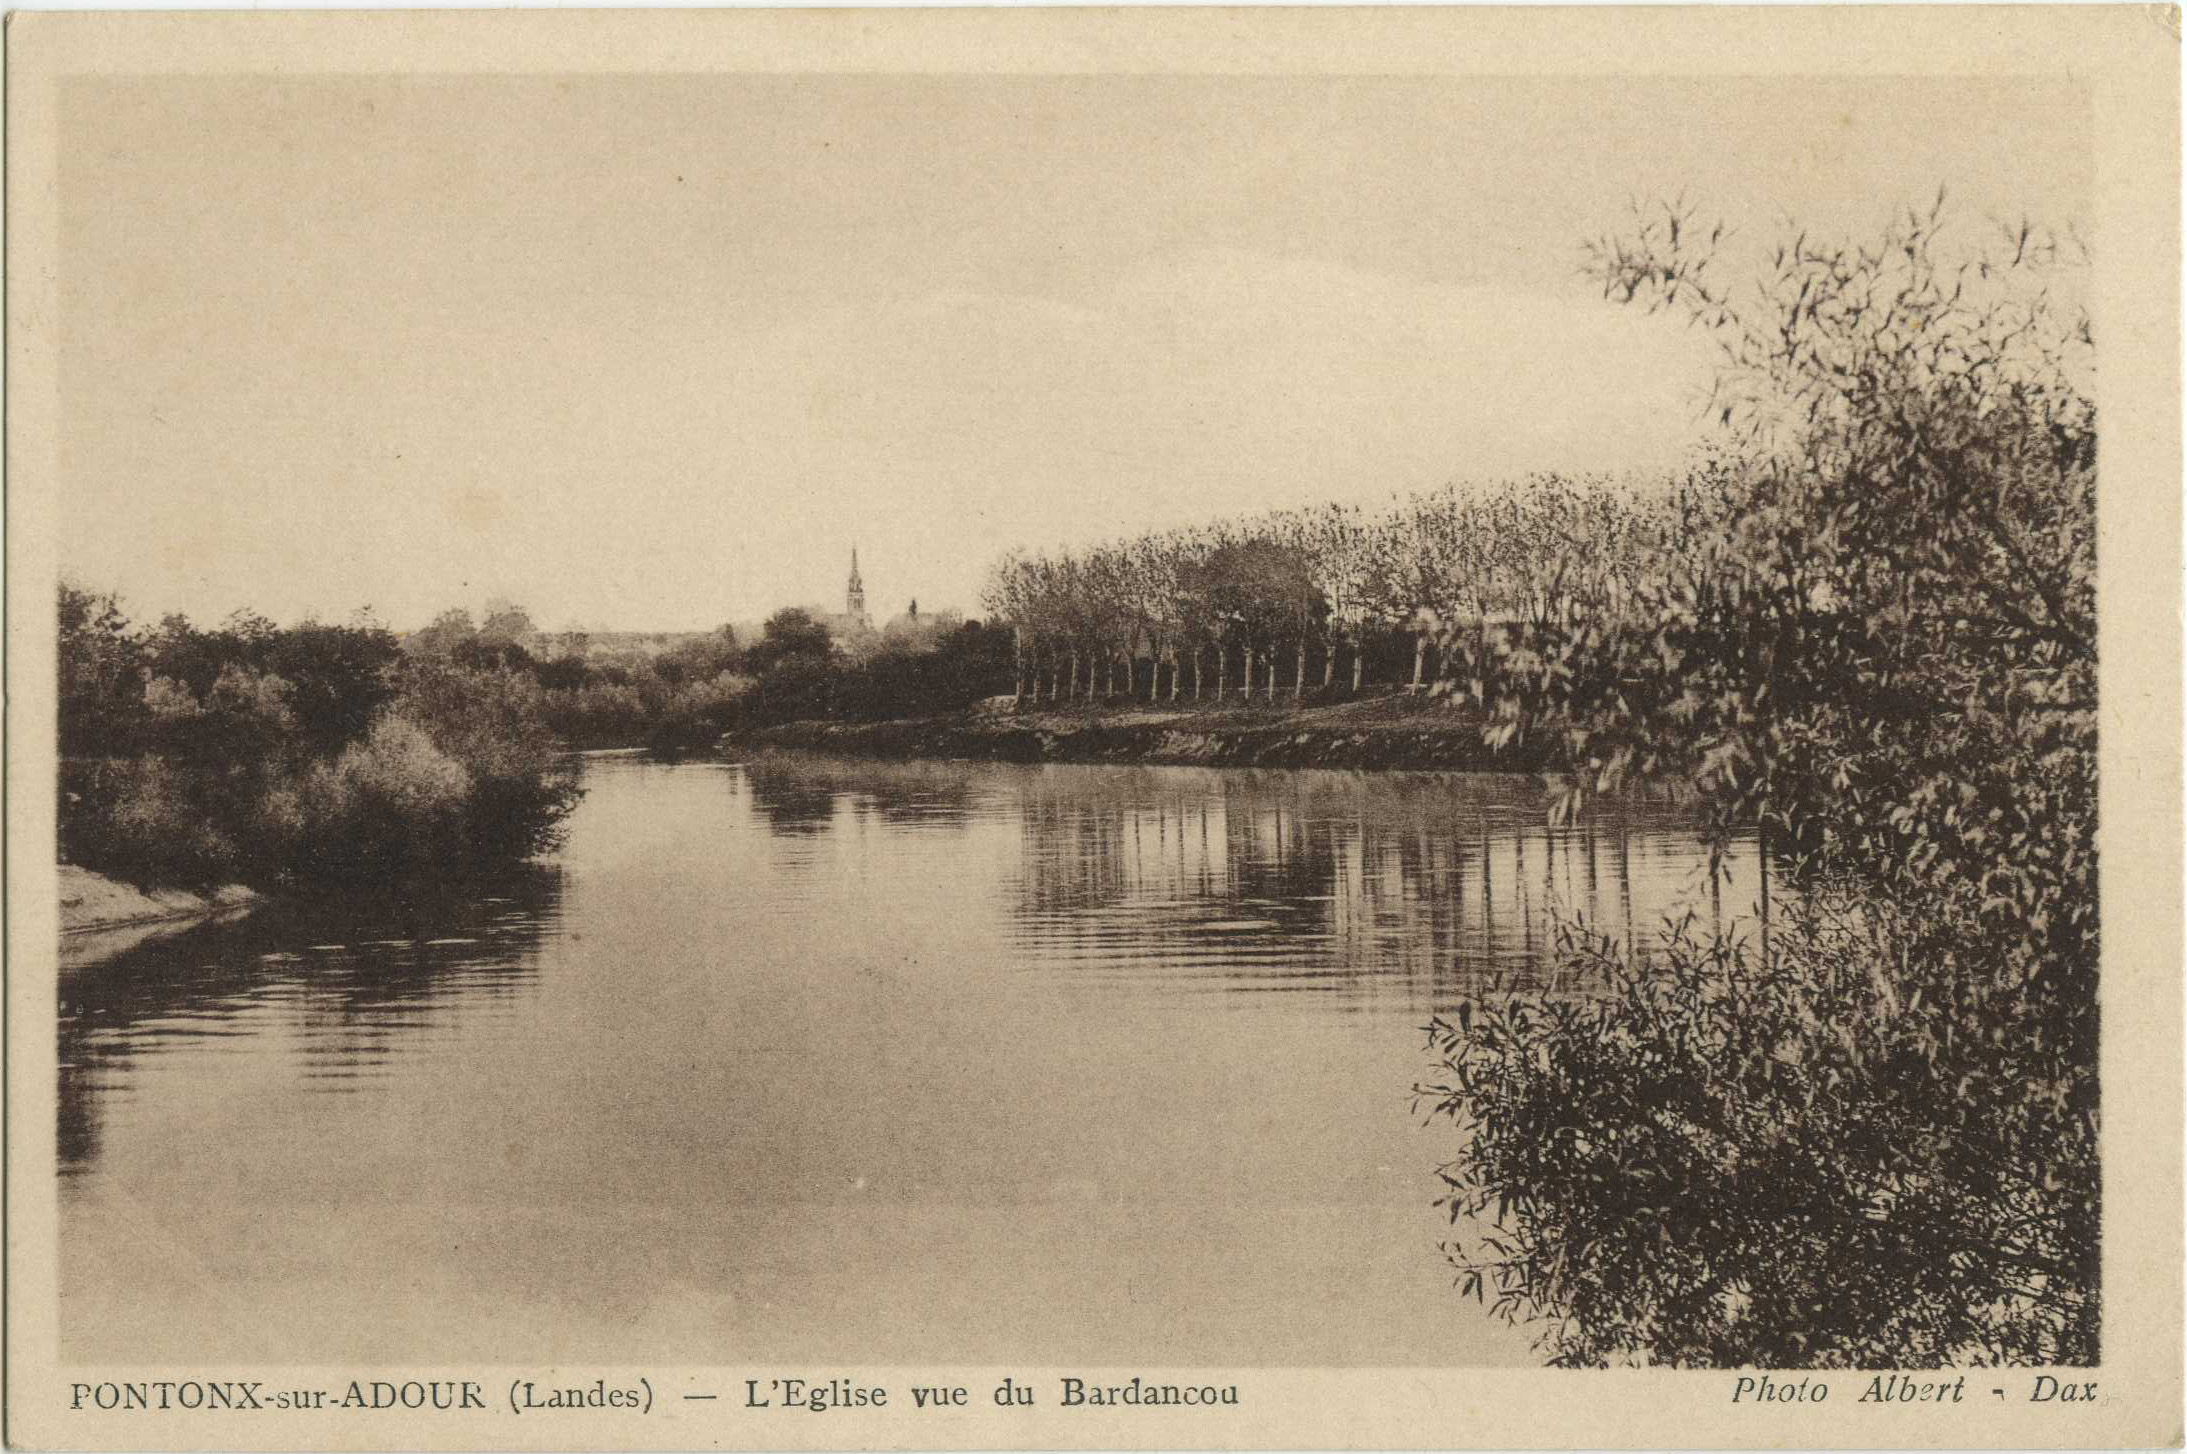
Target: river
[{"x": 809, "y": 1060}]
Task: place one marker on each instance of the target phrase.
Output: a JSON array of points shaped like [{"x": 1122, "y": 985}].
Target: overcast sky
[{"x": 652, "y": 353}]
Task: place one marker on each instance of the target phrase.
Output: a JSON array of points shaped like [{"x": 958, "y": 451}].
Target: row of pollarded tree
[{"x": 1174, "y": 612}]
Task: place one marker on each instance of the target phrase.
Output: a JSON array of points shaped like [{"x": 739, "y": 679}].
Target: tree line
[
  {"x": 250, "y": 751},
  {"x": 687, "y": 695},
  {"x": 1324, "y": 591}
]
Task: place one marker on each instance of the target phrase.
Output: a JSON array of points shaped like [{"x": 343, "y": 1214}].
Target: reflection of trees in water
[
  {"x": 1358, "y": 884},
  {"x": 799, "y": 793},
  {"x": 790, "y": 804},
  {"x": 351, "y": 1010}
]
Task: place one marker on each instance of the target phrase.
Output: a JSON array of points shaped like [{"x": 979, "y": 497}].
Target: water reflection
[
  {"x": 342, "y": 991},
  {"x": 1397, "y": 891},
  {"x": 1091, "y": 1065},
  {"x": 1402, "y": 889},
  {"x": 799, "y": 792}
]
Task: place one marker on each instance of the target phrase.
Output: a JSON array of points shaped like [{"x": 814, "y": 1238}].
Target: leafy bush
[
  {"x": 617, "y": 707},
  {"x": 598, "y": 713},
  {"x": 359, "y": 765},
  {"x": 964, "y": 665},
  {"x": 148, "y": 818},
  {"x": 1801, "y": 1163},
  {"x": 388, "y": 806},
  {"x": 1870, "y": 638}
]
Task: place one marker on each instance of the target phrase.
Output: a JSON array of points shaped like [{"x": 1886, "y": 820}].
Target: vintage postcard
[{"x": 1094, "y": 728}]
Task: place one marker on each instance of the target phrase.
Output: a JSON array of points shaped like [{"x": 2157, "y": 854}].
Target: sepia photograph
[{"x": 895, "y": 721}]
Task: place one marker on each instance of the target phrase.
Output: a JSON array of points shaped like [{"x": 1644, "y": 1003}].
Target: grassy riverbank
[
  {"x": 101, "y": 916},
  {"x": 92, "y": 901},
  {"x": 1388, "y": 732}
]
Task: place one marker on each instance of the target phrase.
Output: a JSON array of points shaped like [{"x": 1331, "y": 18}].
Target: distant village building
[
  {"x": 854, "y": 596},
  {"x": 852, "y": 627},
  {"x": 855, "y": 633}
]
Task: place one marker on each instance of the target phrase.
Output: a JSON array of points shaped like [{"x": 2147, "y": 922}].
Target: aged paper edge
[{"x": 2127, "y": 56}]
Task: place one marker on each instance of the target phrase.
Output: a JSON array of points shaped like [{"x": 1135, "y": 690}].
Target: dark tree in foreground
[{"x": 1868, "y": 1138}]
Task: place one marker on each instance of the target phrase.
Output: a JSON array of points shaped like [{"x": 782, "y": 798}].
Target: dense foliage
[
  {"x": 1870, "y": 1138},
  {"x": 799, "y": 675},
  {"x": 1325, "y": 592},
  {"x": 680, "y": 698},
  {"x": 313, "y": 752},
  {"x": 677, "y": 691}
]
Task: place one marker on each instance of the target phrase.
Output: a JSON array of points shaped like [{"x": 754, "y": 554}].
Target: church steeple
[{"x": 854, "y": 597}]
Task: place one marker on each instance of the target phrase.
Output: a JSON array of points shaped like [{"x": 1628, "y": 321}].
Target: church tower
[{"x": 854, "y": 598}]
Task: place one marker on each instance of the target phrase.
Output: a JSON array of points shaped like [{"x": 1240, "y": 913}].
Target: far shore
[{"x": 1391, "y": 732}]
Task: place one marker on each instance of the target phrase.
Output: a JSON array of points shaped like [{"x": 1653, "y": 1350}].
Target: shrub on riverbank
[
  {"x": 649, "y": 706},
  {"x": 265, "y": 755},
  {"x": 1803, "y": 1161},
  {"x": 1869, "y": 1138}
]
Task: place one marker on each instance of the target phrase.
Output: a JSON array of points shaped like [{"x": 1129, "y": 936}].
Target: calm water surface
[{"x": 808, "y": 1059}]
